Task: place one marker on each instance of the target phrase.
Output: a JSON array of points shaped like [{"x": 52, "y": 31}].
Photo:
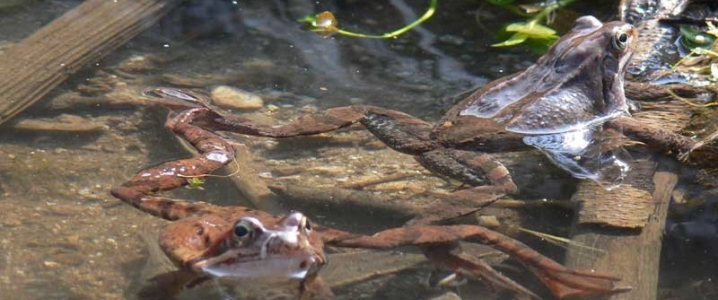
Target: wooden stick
[
  {"x": 32, "y": 68},
  {"x": 245, "y": 176}
]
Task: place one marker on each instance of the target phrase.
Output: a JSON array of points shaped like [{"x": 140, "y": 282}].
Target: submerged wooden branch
[
  {"x": 246, "y": 177},
  {"x": 33, "y": 67},
  {"x": 244, "y": 174}
]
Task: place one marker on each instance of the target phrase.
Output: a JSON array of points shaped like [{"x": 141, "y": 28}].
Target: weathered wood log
[
  {"x": 39, "y": 63},
  {"x": 627, "y": 207},
  {"x": 633, "y": 254},
  {"x": 628, "y": 222}
]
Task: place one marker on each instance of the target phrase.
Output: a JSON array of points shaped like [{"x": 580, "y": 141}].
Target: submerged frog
[
  {"x": 208, "y": 241},
  {"x": 555, "y": 105},
  {"x": 238, "y": 242}
]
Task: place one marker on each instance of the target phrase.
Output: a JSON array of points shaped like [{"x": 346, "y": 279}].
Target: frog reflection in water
[
  {"x": 209, "y": 241},
  {"x": 570, "y": 91}
]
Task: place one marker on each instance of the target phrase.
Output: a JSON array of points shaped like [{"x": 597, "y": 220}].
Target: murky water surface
[{"x": 62, "y": 236}]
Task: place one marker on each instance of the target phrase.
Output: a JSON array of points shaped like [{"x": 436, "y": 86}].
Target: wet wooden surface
[
  {"x": 632, "y": 254},
  {"x": 628, "y": 223},
  {"x": 38, "y": 64},
  {"x": 629, "y": 206}
]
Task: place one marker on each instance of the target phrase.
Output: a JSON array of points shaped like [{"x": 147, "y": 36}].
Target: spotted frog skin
[
  {"x": 259, "y": 245},
  {"x": 238, "y": 242},
  {"x": 579, "y": 82}
]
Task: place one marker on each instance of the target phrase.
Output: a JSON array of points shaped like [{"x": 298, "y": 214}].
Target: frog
[
  {"x": 240, "y": 243},
  {"x": 572, "y": 90},
  {"x": 212, "y": 242}
]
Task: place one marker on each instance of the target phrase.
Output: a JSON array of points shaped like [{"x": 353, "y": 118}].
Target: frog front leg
[
  {"x": 483, "y": 171},
  {"x": 400, "y": 131},
  {"x": 214, "y": 153}
]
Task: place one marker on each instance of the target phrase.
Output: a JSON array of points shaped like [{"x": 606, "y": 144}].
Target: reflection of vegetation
[
  {"x": 533, "y": 33},
  {"x": 326, "y": 24}
]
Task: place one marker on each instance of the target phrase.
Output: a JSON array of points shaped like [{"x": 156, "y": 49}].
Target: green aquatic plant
[
  {"x": 326, "y": 24},
  {"x": 692, "y": 37},
  {"x": 533, "y": 32},
  {"x": 703, "y": 44},
  {"x": 195, "y": 183}
]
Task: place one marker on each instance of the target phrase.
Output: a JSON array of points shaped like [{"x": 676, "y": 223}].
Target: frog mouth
[
  {"x": 280, "y": 254},
  {"x": 279, "y": 267}
]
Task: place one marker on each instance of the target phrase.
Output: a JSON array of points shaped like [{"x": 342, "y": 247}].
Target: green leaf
[
  {"x": 309, "y": 19},
  {"x": 515, "y": 39},
  {"x": 538, "y": 37},
  {"x": 533, "y": 30}
]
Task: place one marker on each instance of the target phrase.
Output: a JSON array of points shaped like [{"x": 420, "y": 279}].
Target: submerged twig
[{"x": 358, "y": 185}]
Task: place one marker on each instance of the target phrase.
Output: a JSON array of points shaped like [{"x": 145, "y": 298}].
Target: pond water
[{"x": 63, "y": 236}]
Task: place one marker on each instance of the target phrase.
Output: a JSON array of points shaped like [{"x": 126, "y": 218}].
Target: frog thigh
[
  {"x": 400, "y": 131},
  {"x": 475, "y": 168}
]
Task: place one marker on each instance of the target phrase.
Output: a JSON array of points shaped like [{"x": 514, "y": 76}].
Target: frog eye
[
  {"x": 244, "y": 230},
  {"x": 620, "y": 40}
]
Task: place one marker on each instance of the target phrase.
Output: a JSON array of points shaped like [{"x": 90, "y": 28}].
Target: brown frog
[
  {"x": 578, "y": 84},
  {"x": 209, "y": 241}
]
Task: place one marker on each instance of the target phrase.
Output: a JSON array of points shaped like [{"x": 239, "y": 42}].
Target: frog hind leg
[
  {"x": 468, "y": 266},
  {"x": 398, "y": 130},
  {"x": 484, "y": 172}
]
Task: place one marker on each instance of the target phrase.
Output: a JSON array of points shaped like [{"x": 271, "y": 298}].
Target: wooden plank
[
  {"x": 628, "y": 222},
  {"x": 38, "y": 64},
  {"x": 632, "y": 248}
]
